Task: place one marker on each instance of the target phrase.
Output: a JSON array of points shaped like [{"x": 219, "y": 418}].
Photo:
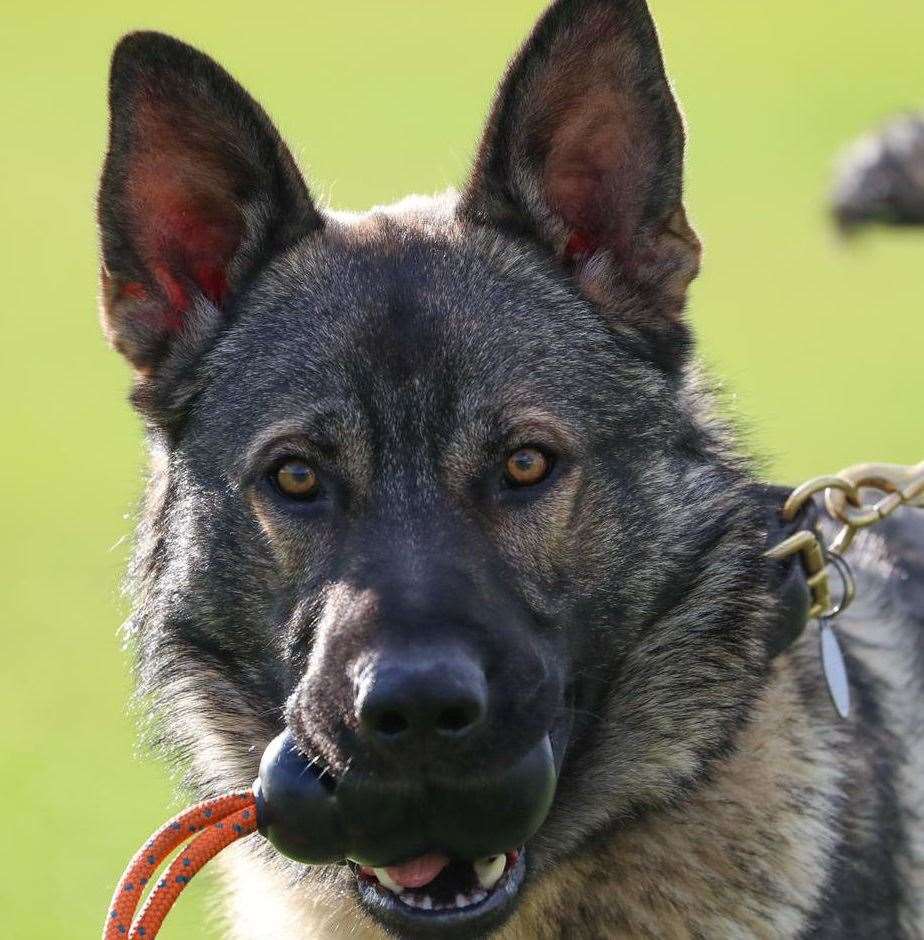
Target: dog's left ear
[
  {"x": 584, "y": 152},
  {"x": 197, "y": 192}
]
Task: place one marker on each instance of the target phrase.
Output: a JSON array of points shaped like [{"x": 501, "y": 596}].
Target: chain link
[{"x": 892, "y": 486}]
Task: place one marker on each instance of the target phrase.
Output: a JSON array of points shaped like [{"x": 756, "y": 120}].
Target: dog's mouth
[
  {"x": 439, "y": 893},
  {"x": 430, "y": 858}
]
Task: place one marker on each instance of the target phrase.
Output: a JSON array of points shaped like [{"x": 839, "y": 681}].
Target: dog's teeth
[
  {"x": 426, "y": 902},
  {"x": 386, "y": 881},
  {"x": 478, "y": 896},
  {"x": 410, "y": 900},
  {"x": 461, "y": 900},
  {"x": 488, "y": 870}
]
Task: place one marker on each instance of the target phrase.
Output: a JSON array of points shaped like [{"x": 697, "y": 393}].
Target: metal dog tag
[{"x": 832, "y": 661}]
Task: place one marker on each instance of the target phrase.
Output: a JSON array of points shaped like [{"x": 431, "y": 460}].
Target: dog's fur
[
  {"x": 880, "y": 177},
  {"x": 707, "y": 791}
]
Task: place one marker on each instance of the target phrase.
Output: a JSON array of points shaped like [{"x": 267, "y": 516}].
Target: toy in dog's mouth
[{"x": 426, "y": 854}]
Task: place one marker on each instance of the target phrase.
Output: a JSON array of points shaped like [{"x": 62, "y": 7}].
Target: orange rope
[{"x": 211, "y": 826}]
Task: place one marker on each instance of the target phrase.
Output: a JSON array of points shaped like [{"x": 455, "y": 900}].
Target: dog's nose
[{"x": 422, "y": 698}]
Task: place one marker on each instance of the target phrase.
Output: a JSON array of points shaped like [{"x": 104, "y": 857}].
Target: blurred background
[{"x": 819, "y": 344}]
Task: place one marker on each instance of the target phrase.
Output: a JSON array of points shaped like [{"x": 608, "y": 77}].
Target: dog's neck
[{"x": 685, "y": 871}]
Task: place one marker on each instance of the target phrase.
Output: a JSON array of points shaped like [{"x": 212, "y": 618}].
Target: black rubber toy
[{"x": 379, "y": 823}]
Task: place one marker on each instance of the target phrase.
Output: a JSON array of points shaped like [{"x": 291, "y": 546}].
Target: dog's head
[{"x": 432, "y": 485}]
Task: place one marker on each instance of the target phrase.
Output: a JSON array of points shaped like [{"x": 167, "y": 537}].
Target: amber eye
[
  {"x": 527, "y": 467},
  {"x": 296, "y": 479}
]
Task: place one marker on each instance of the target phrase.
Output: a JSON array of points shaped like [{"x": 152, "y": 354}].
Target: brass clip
[{"x": 901, "y": 486}]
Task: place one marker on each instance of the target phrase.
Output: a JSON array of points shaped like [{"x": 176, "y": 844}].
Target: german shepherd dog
[{"x": 440, "y": 481}]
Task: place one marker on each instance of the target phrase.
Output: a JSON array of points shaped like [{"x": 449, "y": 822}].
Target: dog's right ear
[
  {"x": 198, "y": 190},
  {"x": 583, "y": 153}
]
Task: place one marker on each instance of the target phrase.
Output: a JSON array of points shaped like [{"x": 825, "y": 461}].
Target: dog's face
[{"x": 419, "y": 473}]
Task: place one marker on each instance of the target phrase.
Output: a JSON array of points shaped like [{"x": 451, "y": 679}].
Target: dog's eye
[
  {"x": 527, "y": 467},
  {"x": 296, "y": 479}
]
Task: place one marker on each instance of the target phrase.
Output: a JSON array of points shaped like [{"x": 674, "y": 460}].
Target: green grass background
[{"x": 820, "y": 346}]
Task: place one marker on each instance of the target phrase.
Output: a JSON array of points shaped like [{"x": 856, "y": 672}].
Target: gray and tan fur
[
  {"x": 707, "y": 791},
  {"x": 880, "y": 177}
]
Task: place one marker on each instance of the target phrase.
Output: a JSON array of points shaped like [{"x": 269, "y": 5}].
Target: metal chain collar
[{"x": 892, "y": 485}]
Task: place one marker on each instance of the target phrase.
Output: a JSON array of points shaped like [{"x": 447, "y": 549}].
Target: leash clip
[{"x": 848, "y": 585}]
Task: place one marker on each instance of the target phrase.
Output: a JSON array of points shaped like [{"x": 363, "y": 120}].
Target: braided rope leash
[{"x": 208, "y": 828}]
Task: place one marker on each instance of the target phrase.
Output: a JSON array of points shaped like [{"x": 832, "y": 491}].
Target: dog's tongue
[{"x": 419, "y": 871}]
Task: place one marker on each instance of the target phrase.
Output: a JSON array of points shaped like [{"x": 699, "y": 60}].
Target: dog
[
  {"x": 438, "y": 484},
  {"x": 880, "y": 178}
]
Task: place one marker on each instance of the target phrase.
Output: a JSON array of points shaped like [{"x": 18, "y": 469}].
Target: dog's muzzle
[{"x": 375, "y": 822}]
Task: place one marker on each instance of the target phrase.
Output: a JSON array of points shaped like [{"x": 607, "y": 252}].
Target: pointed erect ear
[
  {"x": 197, "y": 191},
  {"x": 584, "y": 152}
]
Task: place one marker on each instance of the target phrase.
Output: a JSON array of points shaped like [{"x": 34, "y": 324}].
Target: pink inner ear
[
  {"x": 590, "y": 118},
  {"x": 579, "y": 247},
  {"x": 597, "y": 170},
  {"x": 186, "y": 220}
]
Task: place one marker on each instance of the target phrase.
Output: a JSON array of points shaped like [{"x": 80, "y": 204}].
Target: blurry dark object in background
[{"x": 880, "y": 178}]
